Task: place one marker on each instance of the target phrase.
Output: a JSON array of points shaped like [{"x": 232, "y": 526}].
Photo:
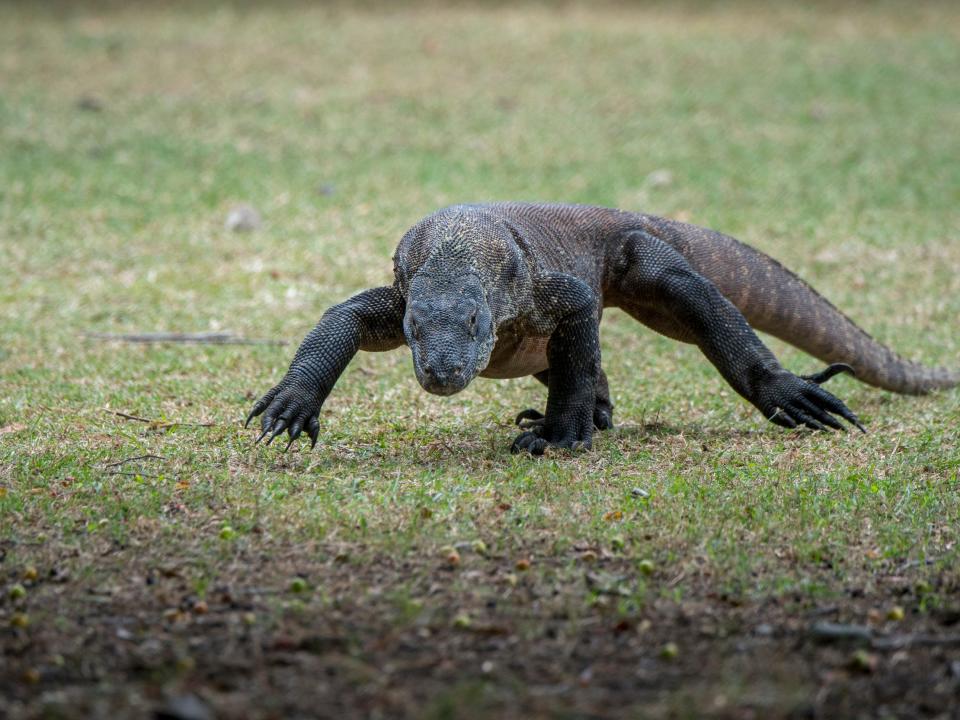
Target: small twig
[
  {"x": 207, "y": 338},
  {"x": 159, "y": 423},
  {"x": 132, "y": 459},
  {"x": 910, "y": 564},
  {"x": 129, "y": 417},
  {"x": 900, "y": 642},
  {"x": 829, "y": 631},
  {"x": 822, "y": 611},
  {"x": 132, "y": 474},
  {"x": 677, "y": 579}
]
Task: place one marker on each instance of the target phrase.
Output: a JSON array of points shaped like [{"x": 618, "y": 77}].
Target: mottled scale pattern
[{"x": 510, "y": 289}]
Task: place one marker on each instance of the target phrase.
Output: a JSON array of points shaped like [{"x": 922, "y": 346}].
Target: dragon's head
[
  {"x": 450, "y": 331},
  {"x": 464, "y": 275}
]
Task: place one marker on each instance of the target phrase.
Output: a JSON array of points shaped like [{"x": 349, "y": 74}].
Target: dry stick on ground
[
  {"x": 132, "y": 459},
  {"x": 114, "y": 468},
  {"x": 158, "y": 423},
  {"x": 834, "y": 632},
  {"x": 207, "y": 338},
  {"x": 900, "y": 642}
]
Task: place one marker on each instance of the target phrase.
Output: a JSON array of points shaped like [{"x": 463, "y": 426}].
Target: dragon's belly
[{"x": 517, "y": 358}]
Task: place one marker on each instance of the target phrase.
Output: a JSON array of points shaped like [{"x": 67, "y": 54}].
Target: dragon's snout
[{"x": 443, "y": 377}]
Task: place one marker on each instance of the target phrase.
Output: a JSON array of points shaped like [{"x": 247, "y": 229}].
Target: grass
[{"x": 824, "y": 135}]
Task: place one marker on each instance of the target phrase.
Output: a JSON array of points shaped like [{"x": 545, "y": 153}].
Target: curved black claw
[
  {"x": 828, "y": 372},
  {"x": 529, "y": 418},
  {"x": 602, "y": 417},
  {"x": 529, "y": 441},
  {"x": 262, "y": 404},
  {"x": 278, "y": 427}
]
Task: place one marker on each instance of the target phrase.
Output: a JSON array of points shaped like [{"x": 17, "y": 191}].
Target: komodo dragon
[{"x": 512, "y": 289}]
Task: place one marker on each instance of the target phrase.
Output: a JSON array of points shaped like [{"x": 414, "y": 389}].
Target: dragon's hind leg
[
  {"x": 655, "y": 284},
  {"x": 602, "y": 409}
]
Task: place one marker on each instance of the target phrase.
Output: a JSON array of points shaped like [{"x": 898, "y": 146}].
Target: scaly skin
[{"x": 512, "y": 289}]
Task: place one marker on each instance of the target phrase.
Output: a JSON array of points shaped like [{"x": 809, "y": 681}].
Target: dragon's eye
[{"x": 473, "y": 318}]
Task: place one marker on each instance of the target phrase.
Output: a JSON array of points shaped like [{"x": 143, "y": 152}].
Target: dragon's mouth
[
  {"x": 444, "y": 384},
  {"x": 444, "y": 390}
]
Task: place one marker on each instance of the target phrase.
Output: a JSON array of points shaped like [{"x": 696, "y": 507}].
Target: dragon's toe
[{"x": 529, "y": 418}]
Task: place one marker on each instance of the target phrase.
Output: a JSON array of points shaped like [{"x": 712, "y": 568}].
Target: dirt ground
[{"x": 378, "y": 637}]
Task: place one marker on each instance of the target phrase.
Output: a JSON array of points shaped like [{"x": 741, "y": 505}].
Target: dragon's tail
[{"x": 776, "y": 301}]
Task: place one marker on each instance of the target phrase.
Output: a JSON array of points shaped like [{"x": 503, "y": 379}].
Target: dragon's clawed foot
[
  {"x": 287, "y": 407},
  {"x": 790, "y": 400}
]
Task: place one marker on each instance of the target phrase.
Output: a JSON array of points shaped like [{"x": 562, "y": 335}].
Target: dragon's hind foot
[{"x": 790, "y": 400}]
